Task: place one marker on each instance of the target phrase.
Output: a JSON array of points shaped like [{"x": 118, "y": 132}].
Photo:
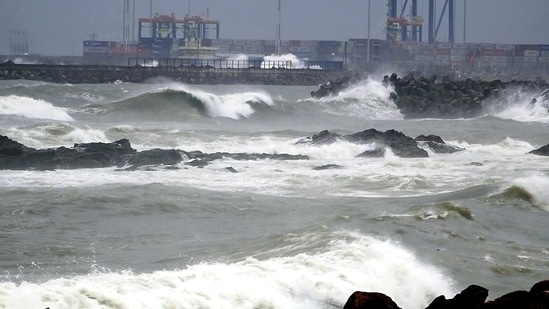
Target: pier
[{"x": 221, "y": 73}]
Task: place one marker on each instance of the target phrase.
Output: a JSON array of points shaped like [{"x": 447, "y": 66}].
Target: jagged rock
[
  {"x": 154, "y": 157},
  {"x": 423, "y": 97},
  {"x": 436, "y": 144},
  {"x": 542, "y": 151},
  {"x": 370, "y": 300},
  {"x": 471, "y": 297},
  {"x": 14, "y": 155},
  {"x": 333, "y": 87},
  {"x": 327, "y": 167},
  {"x": 400, "y": 144},
  {"x": 536, "y": 298}
]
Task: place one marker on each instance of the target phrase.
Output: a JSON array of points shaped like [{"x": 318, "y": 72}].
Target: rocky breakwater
[
  {"x": 429, "y": 97},
  {"x": 440, "y": 98},
  {"x": 472, "y": 297}
]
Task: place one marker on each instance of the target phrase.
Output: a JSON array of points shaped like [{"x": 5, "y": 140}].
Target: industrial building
[{"x": 196, "y": 39}]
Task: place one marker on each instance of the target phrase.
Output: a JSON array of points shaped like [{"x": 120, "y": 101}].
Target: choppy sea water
[{"x": 275, "y": 234}]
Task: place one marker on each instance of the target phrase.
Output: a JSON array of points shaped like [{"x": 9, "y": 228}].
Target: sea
[{"x": 266, "y": 233}]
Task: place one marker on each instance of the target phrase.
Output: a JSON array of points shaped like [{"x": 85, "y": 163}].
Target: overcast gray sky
[{"x": 58, "y": 27}]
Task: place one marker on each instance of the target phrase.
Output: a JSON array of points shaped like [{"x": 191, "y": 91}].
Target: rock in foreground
[{"x": 473, "y": 297}]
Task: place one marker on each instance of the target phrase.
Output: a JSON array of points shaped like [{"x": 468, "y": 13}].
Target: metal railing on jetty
[{"x": 233, "y": 64}]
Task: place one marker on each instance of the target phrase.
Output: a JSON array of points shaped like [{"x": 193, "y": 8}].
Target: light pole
[
  {"x": 464, "y": 18},
  {"x": 278, "y": 31},
  {"x": 368, "y": 48}
]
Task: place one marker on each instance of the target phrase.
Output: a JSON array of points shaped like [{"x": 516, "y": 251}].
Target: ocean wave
[
  {"x": 531, "y": 189},
  {"x": 368, "y": 99},
  {"x": 518, "y": 106},
  {"x": 347, "y": 262},
  {"x": 20, "y": 106},
  {"x": 178, "y": 101}
]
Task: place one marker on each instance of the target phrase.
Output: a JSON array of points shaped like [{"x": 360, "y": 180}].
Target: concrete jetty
[{"x": 94, "y": 74}]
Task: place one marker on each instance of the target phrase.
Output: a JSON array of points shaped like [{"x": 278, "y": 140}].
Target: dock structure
[{"x": 92, "y": 74}]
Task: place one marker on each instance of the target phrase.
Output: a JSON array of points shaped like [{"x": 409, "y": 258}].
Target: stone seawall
[{"x": 78, "y": 74}]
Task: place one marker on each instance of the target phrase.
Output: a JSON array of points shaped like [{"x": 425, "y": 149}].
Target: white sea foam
[
  {"x": 278, "y": 60},
  {"x": 368, "y": 99},
  {"x": 32, "y": 108},
  {"x": 518, "y": 107},
  {"x": 229, "y": 105},
  {"x": 349, "y": 262},
  {"x": 537, "y": 186}
]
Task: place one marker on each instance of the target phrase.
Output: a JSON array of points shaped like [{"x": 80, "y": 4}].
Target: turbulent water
[{"x": 273, "y": 234}]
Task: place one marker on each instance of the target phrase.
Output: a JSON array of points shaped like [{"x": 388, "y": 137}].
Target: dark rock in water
[
  {"x": 536, "y": 298},
  {"x": 14, "y": 155},
  {"x": 327, "y": 167},
  {"x": 231, "y": 169},
  {"x": 375, "y": 153},
  {"x": 154, "y": 157},
  {"x": 473, "y": 297},
  {"x": 370, "y": 300},
  {"x": 400, "y": 144},
  {"x": 542, "y": 151},
  {"x": 424, "y": 97},
  {"x": 436, "y": 144},
  {"x": 333, "y": 87}
]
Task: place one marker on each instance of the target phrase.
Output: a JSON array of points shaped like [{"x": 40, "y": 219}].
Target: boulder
[
  {"x": 424, "y": 97},
  {"x": 370, "y": 300},
  {"x": 437, "y": 144},
  {"x": 400, "y": 144},
  {"x": 333, "y": 87},
  {"x": 16, "y": 156},
  {"x": 472, "y": 297},
  {"x": 542, "y": 151}
]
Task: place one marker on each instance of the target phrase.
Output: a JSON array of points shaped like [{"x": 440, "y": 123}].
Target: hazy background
[{"x": 58, "y": 27}]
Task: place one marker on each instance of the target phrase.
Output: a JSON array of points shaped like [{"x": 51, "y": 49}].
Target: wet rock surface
[
  {"x": 472, "y": 297},
  {"x": 434, "y": 97},
  {"x": 400, "y": 144}
]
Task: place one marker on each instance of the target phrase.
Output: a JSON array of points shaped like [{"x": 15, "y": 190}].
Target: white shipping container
[
  {"x": 457, "y": 51},
  {"x": 442, "y": 58},
  {"x": 543, "y": 59},
  {"x": 525, "y": 59},
  {"x": 443, "y": 45},
  {"x": 502, "y": 59},
  {"x": 95, "y": 50},
  {"x": 429, "y": 52},
  {"x": 424, "y": 58},
  {"x": 531, "y": 53},
  {"x": 460, "y": 46},
  {"x": 504, "y": 46},
  {"x": 544, "y": 53},
  {"x": 457, "y": 58},
  {"x": 253, "y": 42}
]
